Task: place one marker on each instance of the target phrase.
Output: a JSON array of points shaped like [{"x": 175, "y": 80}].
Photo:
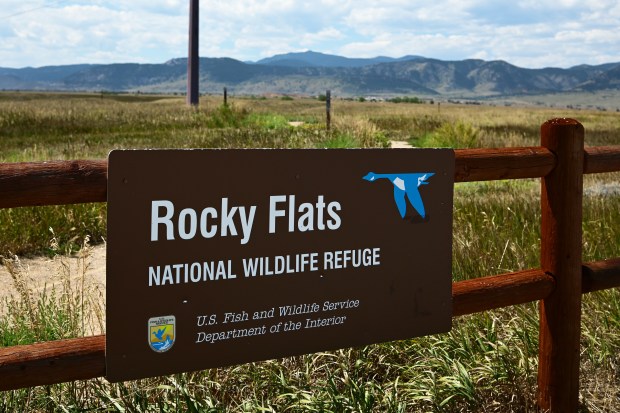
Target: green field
[{"x": 488, "y": 362}]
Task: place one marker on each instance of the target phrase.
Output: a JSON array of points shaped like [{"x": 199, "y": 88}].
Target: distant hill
[
  {"x": 605, "y": 79},
  {"x": 311, "y": 73},
  {"x": 47, "y": 77},
  {"x": 315, "y": 59}
]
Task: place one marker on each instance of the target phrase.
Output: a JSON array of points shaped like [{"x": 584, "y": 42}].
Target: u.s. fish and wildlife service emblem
[{"x": 162, "y": 331}]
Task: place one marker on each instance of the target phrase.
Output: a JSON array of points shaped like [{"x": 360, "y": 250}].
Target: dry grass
[{"x": 487, "y": 363}]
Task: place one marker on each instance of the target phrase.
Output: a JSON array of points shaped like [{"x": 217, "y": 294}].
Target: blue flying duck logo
[{"x": 405, "y": 184}]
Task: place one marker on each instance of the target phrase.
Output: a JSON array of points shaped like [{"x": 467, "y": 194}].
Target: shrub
[
  {"x": 449, "y": 135},
  {"x": 226, "y": 116},
  {"x": 405, "y": 99}
]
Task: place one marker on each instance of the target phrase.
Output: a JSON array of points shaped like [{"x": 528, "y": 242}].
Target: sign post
[{"x": 295, "y": 252}]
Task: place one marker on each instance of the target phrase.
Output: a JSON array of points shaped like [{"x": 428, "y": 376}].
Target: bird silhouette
[
  {"x": 405, "y": 184},
  {"x": 160, "y": 333}
]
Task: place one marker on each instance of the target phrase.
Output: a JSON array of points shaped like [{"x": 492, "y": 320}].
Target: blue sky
[{"x": 527, "y": 33}]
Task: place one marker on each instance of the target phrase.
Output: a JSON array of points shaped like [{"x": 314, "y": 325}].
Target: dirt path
[
  {"x": 400, "y": 144},
  {"x": 42, "y": 271}
]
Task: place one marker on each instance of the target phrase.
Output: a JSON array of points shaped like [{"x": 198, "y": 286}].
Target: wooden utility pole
[{"x": 192, "y": 59}]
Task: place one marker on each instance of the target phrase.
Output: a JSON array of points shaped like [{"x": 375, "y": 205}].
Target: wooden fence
[{"x": 562, "y": 278}]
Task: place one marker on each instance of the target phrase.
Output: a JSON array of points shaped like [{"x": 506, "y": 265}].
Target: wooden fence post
[
  {"x": 561, "y": 245},
  {"x": 328, "y": 110}
]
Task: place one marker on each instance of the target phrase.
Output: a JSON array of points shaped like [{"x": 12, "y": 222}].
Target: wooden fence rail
[
  {"x": 558, "y": 284},
  {"x": 73, "y": 182}
]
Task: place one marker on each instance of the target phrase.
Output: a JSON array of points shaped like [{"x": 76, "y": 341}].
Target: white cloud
[
  {"x": 327, "y": 34},
  {"x": 532, "y": 33},
  {"x": 93, "y": 33}
]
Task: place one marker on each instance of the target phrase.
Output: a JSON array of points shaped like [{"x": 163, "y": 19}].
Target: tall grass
[
  {"x": 67, "y": 305},
  {"x": 26, "y": 231},
  {"x": 488, "y": 362}
]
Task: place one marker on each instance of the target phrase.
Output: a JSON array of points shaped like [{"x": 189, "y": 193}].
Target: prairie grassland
[{"x": 488, "y": 362}]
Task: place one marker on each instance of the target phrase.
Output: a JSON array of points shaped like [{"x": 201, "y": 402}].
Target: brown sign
[{"x": 220, "y": 257}]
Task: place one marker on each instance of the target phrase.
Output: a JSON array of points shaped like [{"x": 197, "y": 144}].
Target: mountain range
[{"x": 311, "y": 73}]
